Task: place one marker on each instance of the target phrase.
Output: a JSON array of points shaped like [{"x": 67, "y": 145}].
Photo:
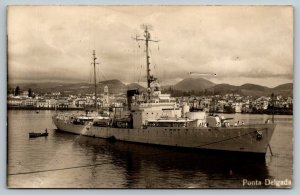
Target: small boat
[{"x": 32, "y": 134}]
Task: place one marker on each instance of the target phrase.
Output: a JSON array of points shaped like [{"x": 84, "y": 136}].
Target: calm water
[{"x": 64, "y": 160}]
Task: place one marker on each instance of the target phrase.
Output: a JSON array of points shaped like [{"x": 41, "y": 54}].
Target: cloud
[{"x": 56, "y": 42}]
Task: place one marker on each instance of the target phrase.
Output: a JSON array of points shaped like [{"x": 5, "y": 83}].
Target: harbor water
[{"x": 64, "y": 160}]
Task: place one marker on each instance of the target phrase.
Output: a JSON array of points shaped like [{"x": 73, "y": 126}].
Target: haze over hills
[{"x": 186, "y": 85}]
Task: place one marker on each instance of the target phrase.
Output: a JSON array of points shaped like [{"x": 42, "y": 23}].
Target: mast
[
  {"x": 273, "y": 106},
  {"x": 147, "y": 39},
  {"x": 95, "y": 81}
]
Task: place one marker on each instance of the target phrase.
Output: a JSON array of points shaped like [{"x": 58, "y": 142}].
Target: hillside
[
  {"x": 287, "y": 86},
  {"x": 253, "y": 90},
  {"x": 286, "y": 89},
  {"x": 136, "y": 86},
  {"x": 114, "y": 86},
  {"x": 249, "y": 86},
  {"x": 193, "y": 84},
  {"x": 186, "y": 85},
  {"x": 224, "y": 88}
]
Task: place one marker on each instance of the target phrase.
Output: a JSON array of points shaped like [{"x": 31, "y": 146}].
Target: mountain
[
  {"x": 136, "y": 86},
  {"x": 48, "y": 86},
  {"x": 187, "y": 85},
  {"x": 287, "y": 86},
  {"x": 114, "y": 86},
  {"x": 195, "y": 84},
  {"x": 253, "y": 90},
  {"x": 249, "y": 86},
  {"x": 224, "y": 88},
  {"x": 112, "y": 82},
  {"x": 284, "y": 89}
]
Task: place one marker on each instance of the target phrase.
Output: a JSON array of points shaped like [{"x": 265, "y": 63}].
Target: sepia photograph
[{"x": 150, "y": 96}]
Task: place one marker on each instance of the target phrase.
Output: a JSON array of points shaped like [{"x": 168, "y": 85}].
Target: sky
[{"x": 240, "y": 44}]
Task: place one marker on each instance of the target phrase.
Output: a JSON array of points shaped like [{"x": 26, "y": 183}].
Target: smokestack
[{"x": 130, "y": 94}]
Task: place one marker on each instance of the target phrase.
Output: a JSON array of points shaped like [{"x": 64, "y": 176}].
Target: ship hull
[{"x": 243, "y": 139}]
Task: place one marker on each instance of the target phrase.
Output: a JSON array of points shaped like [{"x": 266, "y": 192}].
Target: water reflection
[{"x": 146, "y": 165}]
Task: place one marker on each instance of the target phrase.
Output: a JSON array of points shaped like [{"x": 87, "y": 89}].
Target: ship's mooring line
[
  {"x": 270, "y": 149},
  {"x": 226, "y": 139},
  {"x": 49, "y": 170}
]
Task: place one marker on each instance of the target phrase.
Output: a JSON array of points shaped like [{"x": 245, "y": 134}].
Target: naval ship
[{"x": 155, "y": 118}]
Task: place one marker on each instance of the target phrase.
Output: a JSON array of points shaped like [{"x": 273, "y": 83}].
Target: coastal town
[{"x": 214, "y": 103}]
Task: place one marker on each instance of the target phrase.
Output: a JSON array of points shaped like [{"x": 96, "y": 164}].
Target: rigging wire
[
  {"x": 50, "y": 170},
  {"x": 135, "y": 67},
  {"x": 101, "y": 73},
  {"x": 98, "y": 74},
  {"x": 141, "y": 59},
  {"x": 155, "y": 60},
  {"x": 91, "y": 66}
]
